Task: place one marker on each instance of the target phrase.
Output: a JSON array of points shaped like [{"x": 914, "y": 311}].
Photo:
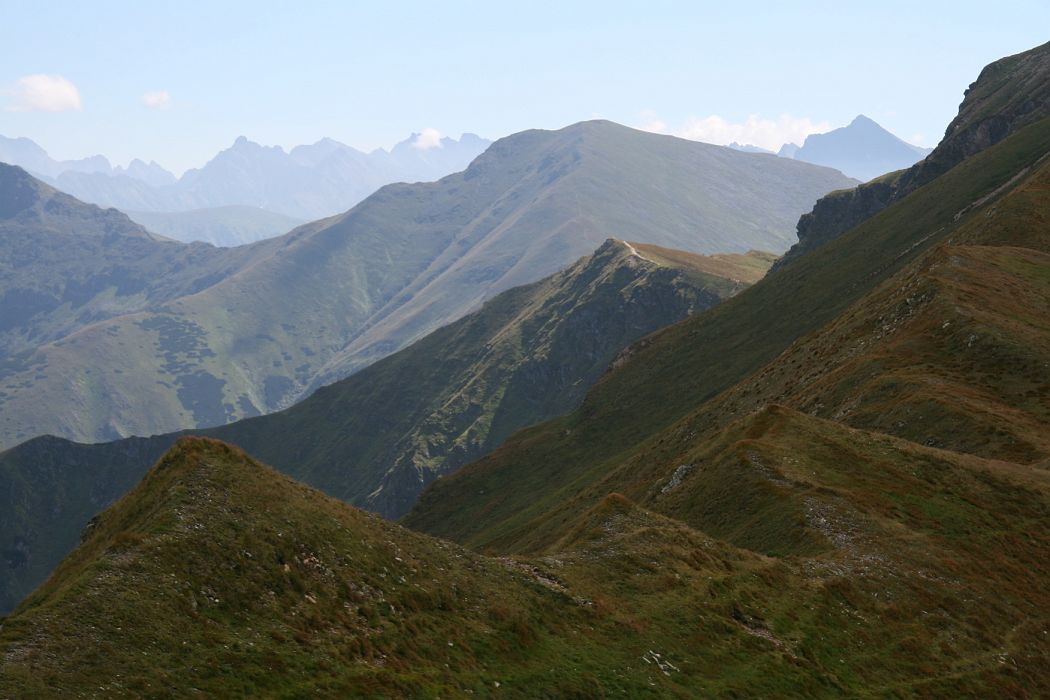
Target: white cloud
[
  {"x": 755, "y": 130},
  {"x": 651, "y": 122},
  {"x": 43, "y": 93},
  {"x": 157, "y": 99},
  {"x": 429, "y": 138}
]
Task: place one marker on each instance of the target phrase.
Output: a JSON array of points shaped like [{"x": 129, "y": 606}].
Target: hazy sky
[{"x": 176, "y": 82}]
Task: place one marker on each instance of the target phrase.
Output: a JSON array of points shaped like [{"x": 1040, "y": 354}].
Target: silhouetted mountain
[
  {"x": 1008, "y": 95},
  {"x": 863, "y": 150}
]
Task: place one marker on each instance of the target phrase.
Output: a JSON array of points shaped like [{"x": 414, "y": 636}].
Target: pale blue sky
[{"x": 368, "y": 74}]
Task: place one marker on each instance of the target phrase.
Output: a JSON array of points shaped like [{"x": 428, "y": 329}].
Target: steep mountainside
[
  {"x": 65, "y": 265},
  {"x": 932, "y": 352},
  {"x": 377, "y": 438},
  {"x": 862, "y": 149},
  {"x": 222, "y": 226},
  {"x": 1008, "y": 95},
  {"x": 333, "y": 296}
]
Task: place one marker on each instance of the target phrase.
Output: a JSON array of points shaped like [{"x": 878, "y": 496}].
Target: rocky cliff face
[
  {"x": 838, "y": 212},
  {"x": 1007, "y": 96}
]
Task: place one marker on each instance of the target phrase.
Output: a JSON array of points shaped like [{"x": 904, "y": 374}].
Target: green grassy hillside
[
  {"x": 331, "y": 297},
  {"x": 833, "y": 484},
  {"x": 377, "y": 438}
]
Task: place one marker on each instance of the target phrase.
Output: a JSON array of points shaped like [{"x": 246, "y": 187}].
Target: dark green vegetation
[
  {"x": 290, "y": 314},
  {"x": 221, "y": 226},
  {"x": 378, "y": 437}
]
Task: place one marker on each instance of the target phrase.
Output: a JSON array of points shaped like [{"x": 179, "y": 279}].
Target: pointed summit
[
  {"x": 862, "y": 149},
  {"x": 861, "y": 120}
]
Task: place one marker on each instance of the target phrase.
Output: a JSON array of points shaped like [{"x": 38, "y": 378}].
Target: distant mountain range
[
  {"x": 249, "y": 330},
  {"x": 246, "y": 192},
  {"x": 748, "y": 148},
  {"x": 249, "y": 192}
]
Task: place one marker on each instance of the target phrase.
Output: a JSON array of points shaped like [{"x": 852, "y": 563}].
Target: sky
[{"x": 176, "y": 82}]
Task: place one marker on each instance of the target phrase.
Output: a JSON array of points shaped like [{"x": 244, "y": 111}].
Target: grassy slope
[
  {"x": 336, "y": 295},
  {"x": 692, "y": 362},
  {"x": 378, "y": 437}
]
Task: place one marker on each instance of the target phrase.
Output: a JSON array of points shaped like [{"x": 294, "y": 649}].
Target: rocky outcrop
[{"x": 838, "y": 212}]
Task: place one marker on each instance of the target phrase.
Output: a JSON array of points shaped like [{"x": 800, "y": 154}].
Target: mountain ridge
[
  {"x": 906, "y": 230},
  {"x": 310, "y": 181}
]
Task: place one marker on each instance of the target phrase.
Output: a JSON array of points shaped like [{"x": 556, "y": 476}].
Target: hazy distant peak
[
  {"x": 151, "y": 173},
  {"x": 862, "y": 149},
  {"x": 749, "y": 148}
]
